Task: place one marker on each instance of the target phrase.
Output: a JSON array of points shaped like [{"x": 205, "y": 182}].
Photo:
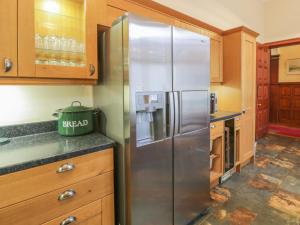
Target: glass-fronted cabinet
[{"x": 58, "y": 38}]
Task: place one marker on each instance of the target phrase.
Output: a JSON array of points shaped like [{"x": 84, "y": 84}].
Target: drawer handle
[
  {"x": 66, "y": 195},
  {"x": 69, "y": 220},
  {"x": 66, "y": 167},
  {"x": 212, "y": 126}
]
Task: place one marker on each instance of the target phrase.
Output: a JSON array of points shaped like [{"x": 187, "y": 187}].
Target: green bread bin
[{"x": 75, "y": 120}]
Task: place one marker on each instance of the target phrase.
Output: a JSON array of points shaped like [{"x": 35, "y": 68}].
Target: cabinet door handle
[
  {"x": 8, "y": 64},
  {"x": 66, "y": 195},
  {"x": 69, "y": 220},
  {"x": 212, "y": 126},
  {"x": 92, "y": 70},
  {"x": 65, "y": 168}
]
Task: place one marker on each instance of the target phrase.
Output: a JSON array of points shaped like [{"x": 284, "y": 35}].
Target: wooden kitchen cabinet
[
  {"x": 58, "y": 39},
  {"x": 86, "y": 215},
  {"x": 85, "y": 190},
  {"x": 113, "y": 14},
  {"x": 216, "y": 59},
  {"x": 238, "y": 93},
  {"x": 8, "y": 42},
  {"x": 248, "y": 95},
  {"x": 108, "y": 213},
  {"x": 216, "y": 152}
]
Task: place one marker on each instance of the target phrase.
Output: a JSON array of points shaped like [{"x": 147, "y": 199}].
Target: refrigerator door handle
[
  {"x": 171, "y": 113},
  {"x": 177, "y": 113}
]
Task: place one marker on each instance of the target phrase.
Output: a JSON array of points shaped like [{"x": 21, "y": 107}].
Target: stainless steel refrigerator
[{"x": 155, "y": 102}]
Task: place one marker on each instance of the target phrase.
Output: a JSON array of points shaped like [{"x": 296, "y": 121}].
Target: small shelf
[{"x": 217, "y": 161}]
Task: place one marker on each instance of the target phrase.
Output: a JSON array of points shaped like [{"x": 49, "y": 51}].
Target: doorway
[{"x": 278, "y": 88}]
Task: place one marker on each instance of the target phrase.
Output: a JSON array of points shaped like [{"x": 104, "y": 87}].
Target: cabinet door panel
[
  {"x": 216, "y": 63},
  {"x": 58, "y": 39},
  {"x": 248, "y": 95},
  {"x": 8, "y": 43}
]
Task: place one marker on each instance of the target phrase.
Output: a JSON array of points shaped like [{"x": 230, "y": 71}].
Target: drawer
[
  {"x": 237, "y": 122},
  {"x": 40, "y": 180},
  {"x": 217, "y": 129},
  {"x": 89, "y": 214},
  {"x": 46, "y": 207}
]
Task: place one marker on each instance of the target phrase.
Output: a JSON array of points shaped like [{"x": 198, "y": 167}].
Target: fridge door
[
  {"x": 191, "y": 57},
  {"x": 191, "y": 53},
  {"x": 149, "y": 163}
]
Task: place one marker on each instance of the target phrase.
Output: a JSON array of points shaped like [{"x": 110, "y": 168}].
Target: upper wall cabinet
[
  {"x": 216, "y": 59},
  {"x": 58, "y": 38},
  {"x": 8, "y": 43}
]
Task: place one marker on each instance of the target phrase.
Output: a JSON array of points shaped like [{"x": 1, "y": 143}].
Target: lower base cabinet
[
  {"x": 243, "y": 147},
  {"x": 85, "y": 195}
]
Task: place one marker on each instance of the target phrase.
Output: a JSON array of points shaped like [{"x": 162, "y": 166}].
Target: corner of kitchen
[{"x": 125, "y": 112}]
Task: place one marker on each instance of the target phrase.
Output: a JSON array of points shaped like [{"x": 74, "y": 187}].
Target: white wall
[
  {"x": 224, "y": 14},
  {"x": 24, "y": 104},
  {"x": 282, "y": 19}
]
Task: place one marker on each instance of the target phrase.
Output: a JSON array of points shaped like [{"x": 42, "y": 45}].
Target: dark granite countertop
[
  {"x": 38, "y": 149},
  {"x": 223, "y": 116}
]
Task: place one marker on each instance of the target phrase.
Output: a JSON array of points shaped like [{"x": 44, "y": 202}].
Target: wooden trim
[
  {"x": 45, "y": 81},
  {"x": 288, "y": 83},
  {"x": 239, "y": 29},
  {"x": 178, "y": 15},
  {"x": 282, "y": 43}
]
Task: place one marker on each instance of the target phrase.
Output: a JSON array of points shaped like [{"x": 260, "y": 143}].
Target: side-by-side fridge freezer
[{"x": 155, "y": 102}]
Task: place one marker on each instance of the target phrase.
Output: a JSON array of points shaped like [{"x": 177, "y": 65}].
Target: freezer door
[
  {"x": 150, "y": 55},
  {"x": 151, "y": 191},
  {"x": 149, "y": 163},
  {"x": 191, "y": 141}
]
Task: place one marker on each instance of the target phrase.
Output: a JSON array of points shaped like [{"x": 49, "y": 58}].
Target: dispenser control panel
[{"x": 149, "y": 101}]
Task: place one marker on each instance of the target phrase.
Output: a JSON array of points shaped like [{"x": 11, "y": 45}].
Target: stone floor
[{"x": 267, "y": 193}]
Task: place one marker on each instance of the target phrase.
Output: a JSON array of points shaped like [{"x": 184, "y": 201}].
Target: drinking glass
[
  {"x": 64, "y": 51},
  {"x": 72, "y": 51},
  {"x": 39, "y": 45},
  {"x": 46, "y": 49},
  {"x": 80, "y": 55},
  {"x": 52, "y": 47}
]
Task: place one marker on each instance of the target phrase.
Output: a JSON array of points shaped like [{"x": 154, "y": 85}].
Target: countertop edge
[
  {"x": 225, "y": 117},
  {"x": 53, "y": 159}
]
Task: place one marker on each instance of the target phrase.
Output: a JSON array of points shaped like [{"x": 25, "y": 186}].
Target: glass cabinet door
[
  {"x": 60, "y": 32},
  {"x": 64, "y": 38}
]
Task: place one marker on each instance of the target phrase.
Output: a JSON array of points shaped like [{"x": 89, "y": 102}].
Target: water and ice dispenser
[{"x": 150, "y": 117}]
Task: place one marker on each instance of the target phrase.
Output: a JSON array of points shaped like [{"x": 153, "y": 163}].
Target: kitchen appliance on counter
[
  {"x": 213, "y": 102},
  {"x": 158, "y": 112}
]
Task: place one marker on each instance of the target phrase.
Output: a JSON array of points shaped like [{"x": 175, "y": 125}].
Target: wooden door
[
  {"x": 8, "y": 43},
  {"x": 58, "y": 39},
  {"x": 262, "y": 91},
  {"x": 216, "y": 60},
  {"x": 248, "y": 96}
]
